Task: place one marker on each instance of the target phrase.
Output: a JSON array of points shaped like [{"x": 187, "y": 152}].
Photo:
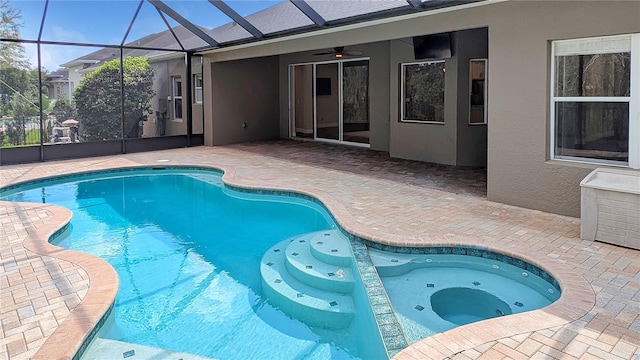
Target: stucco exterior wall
[
  {"x": 453, "y": 142},
  {"x": 519, "y": 35},
  {"x": 471, "y": 140},
  {"x": 177, "y": 126},
  {"x": 519, "y": 170},
  {"x": 162, "y": 85},
  {"x": 245, "y": 92},
  {"x": 421, "y": 141}
]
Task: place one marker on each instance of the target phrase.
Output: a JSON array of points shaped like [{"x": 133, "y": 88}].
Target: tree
[
  {"x": 98, "y": 99},
  {"x": 355, "y": 94},
  {"x": 23, "y": 112},
  {"x": 13, "y": 81},
  {"x": 424, "y": 89},
  {"x": 13, "y": 63},
  {"x": 62, "y": 110},
  {"x": 11, "y": 53}
]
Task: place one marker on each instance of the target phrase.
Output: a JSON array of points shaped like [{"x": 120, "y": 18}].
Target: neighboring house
[
  {"x": 168, "y": 109},
  {"x": 58, "y": 85},
  {"x": 540, "y": 93}
]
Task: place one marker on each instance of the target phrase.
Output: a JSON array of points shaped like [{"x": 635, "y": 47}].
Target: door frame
[
  {"x": 485, "y": 87},
  {"x": 291, "y": 82}
]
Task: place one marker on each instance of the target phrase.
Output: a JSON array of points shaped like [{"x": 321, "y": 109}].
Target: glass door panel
[
  {"x": 302, "y": 101},
  {"x": 355, "y": 101},
  {"x": 327, "y": 101},
  {"x": 478, "y": 100}
]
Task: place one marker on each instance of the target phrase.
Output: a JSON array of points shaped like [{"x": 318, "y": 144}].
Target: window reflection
[
  {"x": 423, "y": 92},
  {"x": 355, "y": 101},
  {"x": 477, "y": 100},
  {"x": 596, "y": 130},
  {"x": 593, "y": 75}
]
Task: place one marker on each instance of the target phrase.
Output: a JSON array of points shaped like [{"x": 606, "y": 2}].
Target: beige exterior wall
[
  {"x": 518, "y": 166},
  {"x": 519, "y": 171},
  {"x": 162, "y": 85},
  {"x": 176, "y": 126},
  {"x": 164, "y": 71},
  {"x": 245, "y": 101},
  {"x": 471, "y": 140},
  {"x": 454, "y": 142}
]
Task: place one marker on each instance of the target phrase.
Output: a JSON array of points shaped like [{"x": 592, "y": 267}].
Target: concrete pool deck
[{"x": 51, "y": 297}]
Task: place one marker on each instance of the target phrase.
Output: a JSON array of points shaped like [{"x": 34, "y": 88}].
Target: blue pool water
[
  {"x": 187, "y": 252},
  {"x": 437, "y": 292}
]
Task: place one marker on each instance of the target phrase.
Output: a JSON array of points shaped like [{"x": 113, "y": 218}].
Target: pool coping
[
  {"x": 70, "y": 338},
  {"x": 67, "y": 340}
]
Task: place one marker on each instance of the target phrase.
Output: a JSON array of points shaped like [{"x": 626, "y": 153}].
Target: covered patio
[{"x": 52, "y": 296}]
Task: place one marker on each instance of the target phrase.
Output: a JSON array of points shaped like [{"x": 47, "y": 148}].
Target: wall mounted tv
[
  {"x": 323, "y": 86},
  {"x": 435, "y": 46}
]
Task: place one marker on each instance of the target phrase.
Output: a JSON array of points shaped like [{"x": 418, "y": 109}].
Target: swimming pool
[
  {"x": 187, "y": 251},
  {"x": 439, "y": 291},
  {"x": 293, "y": 340}
]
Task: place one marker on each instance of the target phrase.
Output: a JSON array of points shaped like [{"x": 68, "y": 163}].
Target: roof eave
[{"x": 341, "y": 26}]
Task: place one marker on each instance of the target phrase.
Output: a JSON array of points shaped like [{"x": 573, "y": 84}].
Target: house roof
[{"x": 60, "y": 75}]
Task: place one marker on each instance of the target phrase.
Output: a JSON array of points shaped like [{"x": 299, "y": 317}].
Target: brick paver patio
[{"x": 52, "y": 297}]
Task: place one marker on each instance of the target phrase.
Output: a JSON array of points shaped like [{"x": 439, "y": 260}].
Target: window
[
  {"x": 177, "y": 97},
  {"x": 197, "y": 88},
  {"x": 596, "y": 86},
  {"x": 422, "y": 92}
]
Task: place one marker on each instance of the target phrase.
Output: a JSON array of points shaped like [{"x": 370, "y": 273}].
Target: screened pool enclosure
[{"x": 88, "y": 78}]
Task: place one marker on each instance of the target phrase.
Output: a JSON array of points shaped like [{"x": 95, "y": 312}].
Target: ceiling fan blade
[
  {"x": 352, "y": 53},
  {"x": 324, "y": 53}
]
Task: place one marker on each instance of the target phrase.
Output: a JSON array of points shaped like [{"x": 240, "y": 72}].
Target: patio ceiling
[{"x": 196, "y": 25}]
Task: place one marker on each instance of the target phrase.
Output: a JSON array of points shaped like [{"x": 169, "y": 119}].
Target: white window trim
[
  {"x": 196, "y": 88},
  {"x": 402, "y": 87},
  {"x": 633, "y": 100},
  {"x": 634, "y": 106},
  {"x": 174, "y": 97}
]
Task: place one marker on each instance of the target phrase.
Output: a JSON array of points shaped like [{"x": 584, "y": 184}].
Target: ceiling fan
[{"x": 339, "y": 52}]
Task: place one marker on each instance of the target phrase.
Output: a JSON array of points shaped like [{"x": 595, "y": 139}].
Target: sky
[{"x": 107, "y": 21}]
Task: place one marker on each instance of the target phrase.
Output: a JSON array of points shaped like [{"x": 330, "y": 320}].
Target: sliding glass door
[
  {"x": 355, "y": 101},
  {"x": 329, "y": 101},
  {"x": 301, "y": 100}
]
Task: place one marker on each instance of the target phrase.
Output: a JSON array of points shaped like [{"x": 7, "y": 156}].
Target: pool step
[
  {"x": 392, "y": 264},
  {"x": 114, "y": 349},
  {"x": 307, "y": 268},
  {"x": 305, "y": 287},
  {"x": 332, "y": 247},
  {"x": 207, "y": 178}
]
